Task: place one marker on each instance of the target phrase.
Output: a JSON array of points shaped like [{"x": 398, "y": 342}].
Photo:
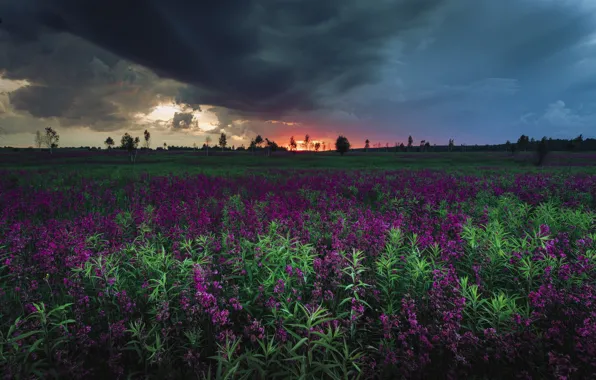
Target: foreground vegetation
[{"x": 399, "y": 274}]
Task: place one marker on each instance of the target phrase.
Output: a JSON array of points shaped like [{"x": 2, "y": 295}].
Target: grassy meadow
[{"x": 308, "y": 266}]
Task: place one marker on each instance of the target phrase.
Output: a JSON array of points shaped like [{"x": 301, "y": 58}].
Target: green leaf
[
  {"x": 299, "y": 344},
  {"x": 26, "y": 335}
]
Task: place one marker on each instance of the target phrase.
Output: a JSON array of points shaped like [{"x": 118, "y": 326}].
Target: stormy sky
[{"x": 479, "y": 71}]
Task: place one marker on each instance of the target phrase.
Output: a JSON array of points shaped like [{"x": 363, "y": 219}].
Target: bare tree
[
  {"x": 293, "y": 144},
  {"x": 51, "y": 139},
  {"x": 39, "y": 139},
  {"x": 207, "y": 142}
]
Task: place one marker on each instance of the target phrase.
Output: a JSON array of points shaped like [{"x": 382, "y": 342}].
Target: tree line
[{"x": 49, "y": 138}]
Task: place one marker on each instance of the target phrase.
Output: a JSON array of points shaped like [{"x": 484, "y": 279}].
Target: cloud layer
[{"x": 437, "y": 68}]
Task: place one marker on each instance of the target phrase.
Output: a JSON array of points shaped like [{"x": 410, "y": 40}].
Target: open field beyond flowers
[{"x": 329, "y": 274}]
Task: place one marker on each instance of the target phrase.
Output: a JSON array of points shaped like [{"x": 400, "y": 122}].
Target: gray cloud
[
  {"x": 562, "y": 119},
  {"x": 76, "y": 83},
  {"x": 248, "y": 55},
  {"x": 183, "y": 120},
  {"x": 488, "y": 64}
]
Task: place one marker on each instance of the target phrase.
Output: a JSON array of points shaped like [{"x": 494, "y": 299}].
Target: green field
[{"x": 105, "y": 164}]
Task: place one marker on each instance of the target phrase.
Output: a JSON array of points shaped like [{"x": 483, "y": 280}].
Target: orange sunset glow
[{"x": 301, "y": 147}]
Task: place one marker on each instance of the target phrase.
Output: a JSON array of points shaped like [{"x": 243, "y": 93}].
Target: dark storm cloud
[
  {"x": 183, "y": 120},
  {"x": 446, "y": 68},
  {"x": 77, "y": 83},
  {"x": 42, "y": 101},
  {"x": 249, "y": 55}
]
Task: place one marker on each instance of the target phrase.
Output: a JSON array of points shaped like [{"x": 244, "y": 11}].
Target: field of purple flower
[{"x": 336, "y": 275}]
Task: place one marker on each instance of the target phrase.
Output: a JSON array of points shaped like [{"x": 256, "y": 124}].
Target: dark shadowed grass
[{"x": 115, "y": 165}]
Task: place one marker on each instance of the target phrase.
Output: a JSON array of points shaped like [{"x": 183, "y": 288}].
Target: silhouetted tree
[
  {"x": 293, "y": 144},
  {"x": 317, "y": 146},
  {"x": 576, "y": 143},
  {"x": 542, "y": 151},
  {"x": 324, "y": 146},
  {"x": 306, "y": 142},
  {"x": 39, "y": 139},
  {"x": 207, "y": 142},
  {"x": 51, "y": 138},
  {"x": 253, "y": 145},
  {"x": 366, "y": 145},
  {"x": 342, "y": 145},
  {"x": 523, "y": 142},
  {"x": 410, "y": 142},
  {"x": 258, "y": 141},
  {"x": 271, "y": 146},
  {"x": 130, "y": 144},
  {"x": 147, "y": 137},
  {"x": 451, "y": 144},
  {"x": 223, "y": 141},
  {"x": 109, "y": 142},
  {"x": 570, "y": 145}
]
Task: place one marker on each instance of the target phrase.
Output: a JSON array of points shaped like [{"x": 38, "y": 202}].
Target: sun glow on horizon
[{"x": 301, "y": 148}]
